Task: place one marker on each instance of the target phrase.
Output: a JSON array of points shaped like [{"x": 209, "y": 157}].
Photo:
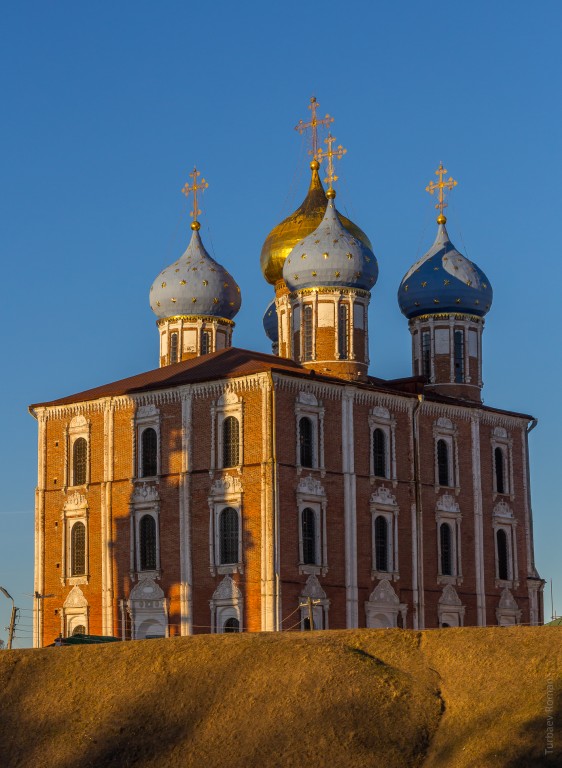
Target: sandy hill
[{"x": 388, "y": 698}]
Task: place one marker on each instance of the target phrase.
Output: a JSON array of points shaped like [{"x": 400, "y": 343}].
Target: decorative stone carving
[
  {"x": 309, "y": 486},
  {"x": 447, "y": 504},
  {"x": 75, "y": 599},
  {"x": 383, "y": 496},
  {"x": 380, "y": 412},
  {"x": 145, "y": 493},
  {"x": 507, "y": 612},
  {"x": 502, "y": 509},
  {"x": 444, "y": 423},
  {"x": 507, "y": 601},
  {"x": 226, "y": 485},
  {"x": 307, "y": 398},
  {"x": 78, "y": 422},
  {"x": 227, "y": 590},
  {"x": 147, "y": 411},
  {"x": 313, "y": 589},
  {"x": 146, "y": 589},
  {"x": 228, "y": 398},
  {"x": 383, "y": 593},
  {"x": 500, "y": 432},
  {"x": 449, "y": 596},
  {"x": 76, "y": 500}
]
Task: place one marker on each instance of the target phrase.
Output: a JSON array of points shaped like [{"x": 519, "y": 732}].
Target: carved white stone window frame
[
  {"x": 227, "y": 603},
  {"x": 78, "y": 427},
  {"x": 75, "y": 510},
  {"x": 308, "y": 406},
  {"x": 383, "y": 607},
  {"x": 144, "y": 501},
  {"x": 311, "y": 495},
  {"x": 444, "y": 429},
  {"x": 226, "y": 491},
  {"x": 504, "y": 519},
  {"x": 147, "y": 607},
  {"x": 228, "y": 404},
  {"x": 75, "y": 612},
  {"x": 383, "y": 504},
  {"x": 146, "y": 416},
  {"x": 320, "y": 604},
  {"x": 504, "y": 442},
  {"x": 508, "y": 612},
  {"x": 448, "y": 511},
  {"x": 380, "y": 418},
  {"x": 450, "y": 610}
]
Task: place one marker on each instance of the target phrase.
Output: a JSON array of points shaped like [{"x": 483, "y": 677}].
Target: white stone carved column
[
  {"x": 186, "y": 568},
  {"x": 478, "y": 523},
  {"x": 350, "y": 520}
]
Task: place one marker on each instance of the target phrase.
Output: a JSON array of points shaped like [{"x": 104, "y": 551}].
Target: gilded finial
[
  {"x": 440, "y": 186},
  {"x": 195, "y": 188},
  {"x": 330, "y": 154},
  {"x": 301, "y": 127}
]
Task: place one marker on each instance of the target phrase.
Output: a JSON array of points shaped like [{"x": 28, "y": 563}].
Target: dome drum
[{"x": 186, "y": 336}]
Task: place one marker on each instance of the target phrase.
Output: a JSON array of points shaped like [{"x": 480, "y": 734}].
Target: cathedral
[{"x": 229, "y": 490}]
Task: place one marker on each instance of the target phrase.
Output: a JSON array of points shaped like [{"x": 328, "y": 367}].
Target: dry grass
[{"x": 388, "y": 698}]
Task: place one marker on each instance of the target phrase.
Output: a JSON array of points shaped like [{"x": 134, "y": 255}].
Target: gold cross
[
  {"x": 441, "y": 186},
  {"x": 195, "y": 188},
  {"x": 330, "y": 154},
  {"x": 313, "y": 125}
]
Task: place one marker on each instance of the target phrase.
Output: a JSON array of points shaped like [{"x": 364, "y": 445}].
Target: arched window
[
  {"x": 79, "y": 630},
  {"x": 147, "y": 543},
  {"x": 228, "y": 536},
  {"x": 443, "y": 462},
  {"x": 308, "y": 523},
  {"x": 379, "y": 453},
  {"x": 459, "y": 357},
  {"x": 307, "y": 332},
  {"x": 173, "y": 347},
  {"x": 149, "y": 449},
  {"x": 78, "y": 550},
  {"x": 205, "y": 342},
  {"x": 343, "y": 332},
  {"x": 426, "y": 355},
  {"x": 446, "y": 549},
  {"x": 498, "y": 456},
  {"x": 381, "y": 543},
  {"x": 306, "y": 434},
  {"x": 231, "y": 625},
  {"x": 230, "y": 442},
  {"x": 79, "y": 461},
  {"x": 503, "y": 564}
]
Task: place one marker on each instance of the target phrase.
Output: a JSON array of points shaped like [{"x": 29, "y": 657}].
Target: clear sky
[{"x": 107, "y": 107}]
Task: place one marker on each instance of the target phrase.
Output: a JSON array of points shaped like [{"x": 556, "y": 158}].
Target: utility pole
[
  {"x": 308, "y": 604},
  {"x": 13, "y": 616}
]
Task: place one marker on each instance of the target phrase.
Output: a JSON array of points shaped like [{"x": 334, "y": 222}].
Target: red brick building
[{"x": 221, "y": 490}]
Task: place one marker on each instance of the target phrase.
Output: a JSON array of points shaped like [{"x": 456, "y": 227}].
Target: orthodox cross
[
  {"x": 330, "y": 154},
  {"x": 195, "y": 188},
  {"x": 440, "y": 187},
  {"x": 313, "y": 125}
]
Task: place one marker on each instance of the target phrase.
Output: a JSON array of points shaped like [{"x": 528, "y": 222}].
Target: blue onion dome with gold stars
[
  {"x": 331, "y": 256},
  {"x": 270, "y": 322},
  {"x": 444, "y": 280}
]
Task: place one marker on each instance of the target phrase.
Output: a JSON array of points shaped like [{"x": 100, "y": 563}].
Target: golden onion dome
[{"x": 283, "y": 238}]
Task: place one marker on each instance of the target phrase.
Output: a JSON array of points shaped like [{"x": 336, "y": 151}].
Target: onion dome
[
  {"x": 195, "y": 284},
  {"x": 331, "y": 256},
  {"x": 444, "y": 280},
  {"x": 285, "y": 236},
  {"x": 270, "y": 322}
]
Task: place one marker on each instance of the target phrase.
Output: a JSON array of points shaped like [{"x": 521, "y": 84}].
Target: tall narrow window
[
  {"x": 306, "y": 435},
  {"x": 446, "y": 549},
  {"x": 498, "y": 456},
  {"x": 308, "y": 522},
  {"x": 205, "y": 342},
  {"x": 307, "y": 332},
  {"x": 381, "y": 543},
  {"x": 174, "y": 348},
  {"x": 147, "y": 543},
  {"x": 228, "y": 536},
  {"x": 426, "y": 355},
  {"x": 379, "y": 453},
  {"x": 459, "y": 357},
  {"x": 78, "y": 550},
  {"x": 503, "y": 563},
  {"x": 343, "y": 332},
  {"x": 443, "y": 462},
  {"x": 149, "y": 449},
  {"x": 79, "y": 461},
  {"x": 231, "y": 625},
  {"x": 230, "y": 442}
]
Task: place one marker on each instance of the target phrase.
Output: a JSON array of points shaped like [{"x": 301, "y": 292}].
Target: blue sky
[{"x": 107, "y": 107}]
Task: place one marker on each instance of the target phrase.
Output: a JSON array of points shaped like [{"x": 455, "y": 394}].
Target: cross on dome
[
  {"x": 301, "y": 127},
  {"x": 195, "y": 188},
  {"x": 330, "y": 154},
  {"x": 440, "y": 187}
]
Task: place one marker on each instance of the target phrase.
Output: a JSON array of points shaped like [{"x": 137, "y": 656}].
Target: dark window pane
[
  {"x": 426, "y": 355},
  {"x": 205, "y": 342},
  {"x": 230, "y": 442},
  {"x": 228, "y": 536},
  {"x": 149, "y": 448},
  {"x": 379, "y": 453},
  {"x": 306, "y": 433},
  {"x": 446, "y": 550},
  {"x": 79, "y": 461},
  {"x": 343, "y": 332},
  {"x": 308, "y": 536},
  {"x": 459, "y": 357},
  {"x": 381, "y": 543},
  {"x": 307, "y": 332},
  {"x": 306, "y": 624},
  {"x": 79, "y": 630},
  {"x": 147, "y": 543},
  {"x": 231, "y": 625},
  {"x": 78, "y": 550},
  {"x": 443, "y": 462},
  {"x": 503, "y": 569},
  {"x": 498, "y": 455},
  {"x": 174, "y": 348}
]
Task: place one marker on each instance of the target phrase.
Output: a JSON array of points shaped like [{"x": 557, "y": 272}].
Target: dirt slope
[{"x": 388, "y": 698}]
